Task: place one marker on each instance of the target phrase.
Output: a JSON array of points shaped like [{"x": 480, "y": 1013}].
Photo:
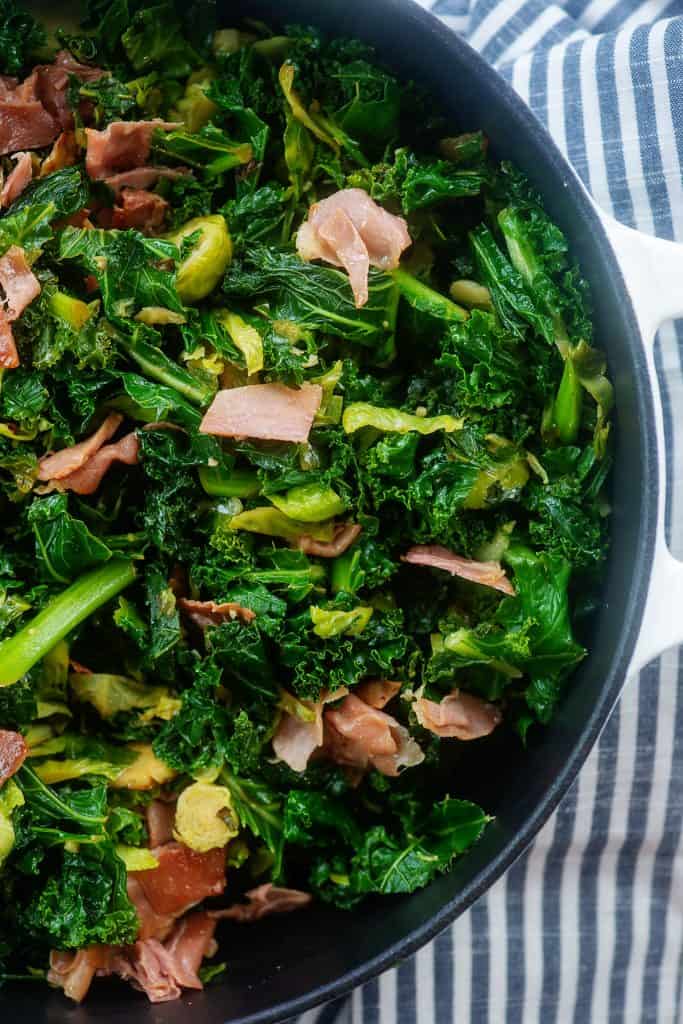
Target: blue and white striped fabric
[{"x": 587, "y": 927}]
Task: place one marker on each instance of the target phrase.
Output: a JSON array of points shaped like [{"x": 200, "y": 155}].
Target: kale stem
[
  {"x": 423, "y": 298},
  {"x": 155, "y": 364},
  {"x": 20, "y": 652}
]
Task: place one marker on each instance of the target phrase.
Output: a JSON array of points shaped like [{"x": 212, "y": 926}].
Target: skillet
[{"x": 283, "y": 966}]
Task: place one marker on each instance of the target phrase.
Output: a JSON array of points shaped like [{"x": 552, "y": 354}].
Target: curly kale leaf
[
  {"x": 315, "y": 666},
  {"x": 85, "y": 903},
  {"x": 316, "y": 297},
  {"x": 401, "y": 859},
  {"x": 20, "y": 36}
]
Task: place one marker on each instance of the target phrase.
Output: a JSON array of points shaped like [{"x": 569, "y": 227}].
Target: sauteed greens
[{"x": 294, "y": 517}]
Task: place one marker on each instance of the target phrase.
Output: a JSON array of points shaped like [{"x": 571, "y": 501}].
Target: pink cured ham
[
  {"x": 150, "y": 968},
  {"x": 121, "y": 146},
  {"x": 143, "y": 177},
  {"x": 17, "y": 180},
  {"x": 359, "y": 736},
  {"x": 24, "y": 124},
  {"x": 152, "y": 924},
  {"x": 163, "y": 970},
  {"x": 378, "y": 692},
  {"x": 19, "y": 284},
  {"x": 20, "y": 287},
  {"x": 183, "y": 878},
  {"x": 191, "y": 941},
  {"x": 488, "y": 574},
  {"x": 296, "y": 739},
  {"x": 9, "y": 357},
  {"x": 269, "y": 412},
  {"x": 208, "y": 613},
  {"x": 52, "y": 84},
  {"x": 350, "y": 230},
  {"x": 13, "y": 753},
  {"x": 160, "y": 817},
  {"x": 344, "y": 536},
  {"x": 86, "y": 72},
  {"x": 68, "y": 460},
  {"x": 140, "y": 209},
  {"x": 88, "y": 478},
  {"x": 460, "y": 715},
  {"x": 261, "y": 902},
  {"x": 74, "y": 972}
]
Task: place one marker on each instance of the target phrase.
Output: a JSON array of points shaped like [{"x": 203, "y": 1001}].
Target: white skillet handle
[{"x": 653, "y": 272}]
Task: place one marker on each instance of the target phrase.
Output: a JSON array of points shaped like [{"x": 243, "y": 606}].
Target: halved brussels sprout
[
  {"x": 205, "y": 818},
  {"x": 199, "y": 273}
]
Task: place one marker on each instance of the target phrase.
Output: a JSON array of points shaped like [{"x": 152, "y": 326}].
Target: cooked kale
[{"x": 203, "y": 598}]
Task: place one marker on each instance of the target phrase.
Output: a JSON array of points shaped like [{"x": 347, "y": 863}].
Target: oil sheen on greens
[{"x": 486, "y": 325}]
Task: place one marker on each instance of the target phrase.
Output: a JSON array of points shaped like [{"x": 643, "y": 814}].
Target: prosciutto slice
[
  {"x": 350, "y": 230},
  {"x": 264, "y": 900},
  {"x": 269, "y": 412},
  {"x": 160, "y": 817},
  {"x": 378, "y": 692},
  {"x": 152, "y": 924},
  {"x": 296, "y": 739},
  {"x": 62, "y": 463},
  {"x": 208, "y": 613},
  {"x": 359, "y": 736},
  {"x": 52, "y": 83},
  {"x": 460, "y": 715},
  {"x": 17, "y": 180},
  {"x": 87, "y": 479},
  {"x": 24, "y": 124},
  {"x": 139, "y": 209},
  {"x": 488, "y": 574},
  {"x": 18, "y": 282},
  {"x": 73, "y": 972},
  {"x": 9, "y": 357},
  {"x": 344, "y": 536},
  {"x": 162, "y": 970},
  {"x": 13, "y": 753},
  {"x": 143, "y": 177},
  {"x": 20, "y": 287},
  {"x": 121, "y": 146},
  {"x": 191, "y": 941},
  {"x": 182, "y": 878}
]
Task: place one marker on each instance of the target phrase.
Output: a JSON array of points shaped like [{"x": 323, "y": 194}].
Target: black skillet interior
[{"x": 282, "y": 966}]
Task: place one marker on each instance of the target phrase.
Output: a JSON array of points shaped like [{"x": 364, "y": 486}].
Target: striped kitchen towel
[{"x": 587, "y": 927}]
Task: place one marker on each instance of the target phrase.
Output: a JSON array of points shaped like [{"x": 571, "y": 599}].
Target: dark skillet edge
[{"x": 407, "y": 945}]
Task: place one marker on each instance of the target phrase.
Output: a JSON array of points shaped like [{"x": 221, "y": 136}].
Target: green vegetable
[
  {"x": 64, "y": 544},
  {"x": 20, "y": 36},
  {"x": 424, "y": 299},
  {"x": 273, "y": 523},
  {"x": 200, "y": 272},
  {"x": 11, "y": 797},
  {"x": 234, "y": 483},
  {"x": 246, "y": 338},
  {"x": 360, "y": 414},
  {"x": 167, "y": 634},
  {"x": 208, "y": 149},
  {"x": 327, "y": 623},
  {"x": 309, "y": 503},
  {"x": 20, "y": 652},
  {"x": 317, "y": 297}
]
